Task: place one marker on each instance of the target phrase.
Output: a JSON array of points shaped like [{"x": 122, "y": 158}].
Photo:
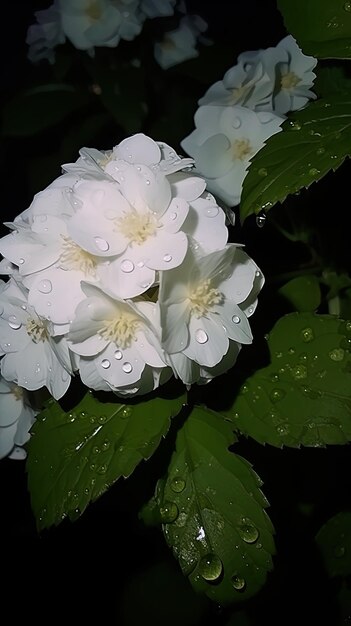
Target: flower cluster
[
  {"x": 103, "y": 23},
  {"x": 121, "y": 270},
  {"x": 239, "y": 113}
]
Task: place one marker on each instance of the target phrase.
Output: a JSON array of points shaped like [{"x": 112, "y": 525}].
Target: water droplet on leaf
[
  {"x": 337, "y": 354},
  {"x": 261, "y": 219},
  {"x": 277, "y": 394},
  {"x": 169, "y": 512},
  {"x": 247, "y": 531},
  {"x": 307, "y": 335},
  {"x": 210, "y": 567},
  {"x": 238, "y": 582},
  {"x": 178, "y": 485}
]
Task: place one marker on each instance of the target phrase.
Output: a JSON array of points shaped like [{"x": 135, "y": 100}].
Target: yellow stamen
[
  {"x": 203, "y": 297},
  {"x": 36, "y": 330},
  {"x": 73, "y": 257},
  {"x": 289, "y": 80},
  {"x": 120, "y": 330},
  {"x": 241, "y": 149},
  {"x": 137, "y": 227}
]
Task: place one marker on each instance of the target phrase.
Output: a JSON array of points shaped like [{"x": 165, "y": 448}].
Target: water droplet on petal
[
  {"x": 127, "y": 367},
  {"x": 261, "y": 219},
  {"x": 45, "y": 286},
  {"x": 236, "y": 123},
  {"x": 212, "y": 211},
  {"x": 307, "y": 335},
  {"x": 178, "y": 485},
  {"x": 21, "y": 261},
  {"x": 14, "y": 323},
  {"x": 169, "y": 512},
  {"x": 236, "y": 319},
  {"x": 105, "y": 363},
  {"x": 101, "y": 244},
  {"x": 127, "y": 266},
  {"x": 140, "y": 264},
  {"x": 248, "y": 531},
  {"x": 118, "y": 355},
  {"x": 173, "y": 216},
  {"x": 238, "y": 582},
  {"x": 201, "y": 336},
  {"x": 210, "y": 567},
  {"x": 167, "y": 258}
]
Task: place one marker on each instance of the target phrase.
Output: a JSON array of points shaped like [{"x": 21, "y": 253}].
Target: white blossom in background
[
  {"x": 16, "y": 419},
  {"x": 295, "y": 77},
  {"x": 204, "y": 306},
  {"x": 157, "y": 8},
  {"x": 32, "y": 357},
  {"x": 44, "y": 36},
  {"x": 224, "y": 141},
  {"x": 180, "y": 44}
]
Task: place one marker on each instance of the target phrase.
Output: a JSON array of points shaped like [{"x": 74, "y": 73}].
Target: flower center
[
  {"x": 203, "y": 297},
  {"x": 168, "y": 44},
  {"x": 237, "y": 93},
  {"x": 93, "y": 10},
  {"x": 73, "y": 257},
  {"x": 241, "y": 149},
  {"x": 120, "y": 330},
  {"x": 17, "y": 392},
  {"x": 137, "y": 227},
  {"x": 289, "y": 80},
  {"x": 36, "y": 330}
]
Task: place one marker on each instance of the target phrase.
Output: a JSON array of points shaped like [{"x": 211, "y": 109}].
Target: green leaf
[
  {"x": 74, "y": 457},
  {"x": 304, "y": 395},
  {"x": 39, "y": 108},
  {"x": 322, "y": 27},
  {"x": 334, "y": 542},
  {"x": 213, "y": 512},
  {"x": 315, "y": 141},
  {"x": 123, "y": 95},
  {"x": 303, "y": 293},
  {"x": 334, "y": 79}
]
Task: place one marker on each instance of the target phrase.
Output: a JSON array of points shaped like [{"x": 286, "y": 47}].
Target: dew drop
[
  {"x": 261, "y": 219},
  {"x": 238, "y": 582},
  {"x": 236, "y": 123},
  {"x": 105, "y": 445},
  {"x": 21, "y": 261},
  {"x": 178, "y": 485},
  {"x": 118, "y": 355},
  {"x": 262, "y": 172},
  {"x": 236, "y": 319},
  {"x": 320, "y": 150},
  {"x": 147, "y": 182},
  {"x": 247, "y": 531},
  {"x": 299, "y": 371},
  {"x": 314, "y": 171},
  {"x": 201, "y": 336},
  {"x": 102, "y": 469},
  {"x": 140, "y": 264},
  {"x": 105, "y": 363},
  {"x": 45, "y": 286},
  {"x": 347, "y": 7},
  {"x": 169, "y": 512},
  {"x": 210, "y": 567},
  {"x": 295, "y": 125},
  {"x": 14, "y": 323},
  {"x": 167, "y": 258},
  {"x": 337, "y": 354},
  {"x": 212, "y": 211},
  {"x": 283, "y": 429},
  {"x": 173, "y": 216},
  {"x": 127, "y": 367},
  {"x": 127, "y": 266},
  {"x": 277, "y": 394},
  {"x": 126, "y": 412},
  {"x": 307, "y": 335},
  {"x": 101, "y": 244}
]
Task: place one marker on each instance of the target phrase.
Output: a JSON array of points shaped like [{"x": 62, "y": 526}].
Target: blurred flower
[
  {"x": 157, "y": 8},
  {"x": 16, "y": 419},
  {"x": 180, "y": 44},
  {"x": 44, "y": 36},
  {"x": 225, "y": 140},
  {"x": 294, "y": 78}
]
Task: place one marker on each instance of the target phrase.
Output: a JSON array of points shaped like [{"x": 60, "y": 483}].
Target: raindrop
[
  {"x": 173, "y": 216},
  {"x": 262, "y": 171},
  {"x": 247, "y": 531},
  {"x": 126, "y": 412},
  {"x": 314, "y": 171},
  {"x": 178, "y": 485},
  {"x": 275, "y": 378},
  {"x": 283, "y": 429},
  {"x": 299, "y": 371},
  {"x": 105, "y": 363},
  {"x": 348, "y": 327},
  {"x": 277, "y": 394},
  {"x": 96, "y": 450},
  {"x": 102, "y": 469},
  {"x": 102, "y": 419},
  {"x": 244, "y": 389},
  {"x": 307, "y": 335},
  {"x": 347, "y": 7},
  {"x": 21, "y": 261},
  {"x": 339, "y": 551},
  {"x": 147, "y": 182},
  {"x": 238, "y": 582},
  {"x": 169, "y": 512},
  {"x": 257, "y": 273},
  {"x": 101, "y": 244},
  {"x": 346, "y": 343},
  {"x": 14, "y": 323},
  {"x": 236, "y": 123},
  {"x": 201, "y": 336},
  {"x": 320, "y": 150},
  {"x": 140, "y": 264},
  {"x": 127, "y": 266},
  {"x": 236, "y": 319},
  {"x": 118, "y": 355},
  {"x": 261, "y": 219},
  {"x": 212, "y": 211},
  {"x": 105, "y": 445},
  {"x": 337, "y": 354},
  {"x": 295, "y": 125},
  {"x": 127, "y": 367},
  {"x": 210, "y": 567},
  {"x": 45, "y": 286},
  {"x": 167, "y": 258}
]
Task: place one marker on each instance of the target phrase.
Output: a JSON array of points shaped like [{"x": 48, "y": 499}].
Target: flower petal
[{"x": 208, "y": 341}]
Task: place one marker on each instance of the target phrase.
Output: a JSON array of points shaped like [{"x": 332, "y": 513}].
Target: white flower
[
  {"x": 294, "y": 78},
  {"x": 44, "y": 36},
  {"x": 223, "y": 143},
  {"x": 16, "y": 419},
  {"x": 204, "y": 306},
  {"x": 244, "y": 84},
  {"x": 180, "y": 44},
  {"x": 117, "y": 342},
  {"x": 32, "y": 357}
]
